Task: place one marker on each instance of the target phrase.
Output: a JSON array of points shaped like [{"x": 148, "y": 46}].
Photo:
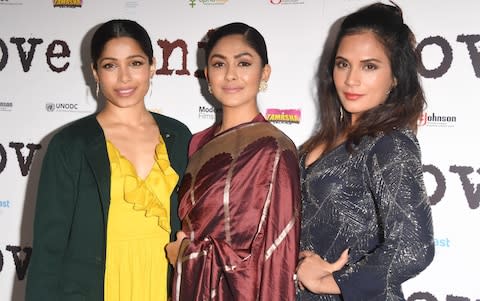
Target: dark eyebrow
[
  {"x": 129, "y": 58},
  {"x": 236, "y": 56},
  {"x": 363, "y": 61},
  {"x": 371, "y": 60}
]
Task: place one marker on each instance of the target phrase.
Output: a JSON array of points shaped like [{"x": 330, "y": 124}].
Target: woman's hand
[
  {"x": 315, "y": 274},
  {"x": 173, "y": 248}
]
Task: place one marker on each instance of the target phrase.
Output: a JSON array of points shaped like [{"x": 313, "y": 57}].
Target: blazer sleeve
[
  {"x": 53, "y": 216},
  {"x": 394, "y": 173}
]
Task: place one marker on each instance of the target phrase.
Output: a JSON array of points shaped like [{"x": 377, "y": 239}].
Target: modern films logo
[
  {"x": 288, "y": 116},
  {"x": 208, "y": 112},
  {"x": 67, "y": 3}
]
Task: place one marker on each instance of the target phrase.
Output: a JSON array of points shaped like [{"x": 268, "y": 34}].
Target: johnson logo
[{"x": 437, "y": 120}]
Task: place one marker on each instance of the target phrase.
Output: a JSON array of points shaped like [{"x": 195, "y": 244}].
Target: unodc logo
[{"x": 50, "y": 107}]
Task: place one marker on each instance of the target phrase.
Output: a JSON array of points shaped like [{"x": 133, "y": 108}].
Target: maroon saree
[{"x": 240, "y": 204}]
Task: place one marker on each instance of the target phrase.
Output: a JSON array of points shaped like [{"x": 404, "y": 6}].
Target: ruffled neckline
[{"x": 151, "y": 194}]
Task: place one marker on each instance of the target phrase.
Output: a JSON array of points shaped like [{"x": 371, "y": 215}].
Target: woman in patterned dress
[{"x": 362, "y": 181}]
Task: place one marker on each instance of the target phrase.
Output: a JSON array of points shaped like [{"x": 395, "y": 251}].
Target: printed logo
[
  {"x": 5, "y": 204},
  {"x": 64, "y": 107},
  {"x": 288, "y": 116},
  {"x": 286, "y": 2},
  {"x": 10, "y": 2},
  {"x": 50, "y": 107},
  {"x": 67, "y": 3},
  {"x": 208, "y": 112},
  {"x": 436, "y": 120},
  {"x": 131, "y": 4},
  {"x": 442, "y": 242},
  {"x": 193, "y": 3},
  {"x": 6, "y": 106}
]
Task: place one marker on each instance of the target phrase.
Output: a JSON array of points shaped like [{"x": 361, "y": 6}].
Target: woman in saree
[{"x": 240, "y": 197}]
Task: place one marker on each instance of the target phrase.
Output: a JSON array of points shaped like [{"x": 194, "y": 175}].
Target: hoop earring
[
  {"x": 150, "y": 88},
  {"x": 263, "y": 86},
  {"x": 97, "y": 90}
]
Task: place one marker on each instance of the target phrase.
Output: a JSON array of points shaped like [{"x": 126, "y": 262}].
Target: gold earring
[
  {"x": 210, "y": 89},
  {"x": 263, "y": 86},
  {"x": 98, "y": 88},
  {"x": 392, "y": 87}
]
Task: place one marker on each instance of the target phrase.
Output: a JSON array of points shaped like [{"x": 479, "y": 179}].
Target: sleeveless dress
[{"x": 138, "y": 228}]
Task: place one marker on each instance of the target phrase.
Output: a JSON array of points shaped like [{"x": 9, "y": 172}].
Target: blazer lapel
[{"x": 97, "y": 158}]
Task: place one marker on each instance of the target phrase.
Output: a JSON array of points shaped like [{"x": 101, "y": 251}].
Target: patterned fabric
[
  {"x": 240, "y": 203},
  {"x": 372, "y": 201},
  {"x": 138, "y": 228}
]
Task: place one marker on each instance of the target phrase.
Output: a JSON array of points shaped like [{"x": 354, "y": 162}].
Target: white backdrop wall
[{"x": 45, "y": 83}]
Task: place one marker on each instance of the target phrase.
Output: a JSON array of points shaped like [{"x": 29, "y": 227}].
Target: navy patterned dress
[{"x": 373, "y": 201}]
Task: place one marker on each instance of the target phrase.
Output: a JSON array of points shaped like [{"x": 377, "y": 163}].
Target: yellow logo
[{"x": 67, "y": 3}]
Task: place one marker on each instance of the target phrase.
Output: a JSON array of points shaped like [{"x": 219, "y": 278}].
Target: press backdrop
[{"x": 45, "y": 82}]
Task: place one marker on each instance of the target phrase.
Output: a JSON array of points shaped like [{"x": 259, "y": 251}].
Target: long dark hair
[
  {"x": 406, "y": 100},
  {"x": 118, "y": 28}
]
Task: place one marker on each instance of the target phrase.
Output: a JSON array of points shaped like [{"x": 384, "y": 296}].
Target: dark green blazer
[{"x": 68, "y": 258}]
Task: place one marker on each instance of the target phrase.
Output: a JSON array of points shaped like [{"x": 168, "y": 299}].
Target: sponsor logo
[
  {"x": 286, "y": 2},
  {"x": 208, "y": 112},
  {"x": 193, "y": 3},
  {"x": 436, "y": 120},
  {"x": 64, "y": 107},
  {"x": 442, "y": 242},
  {"x": 6, "y": 106},
  {"x": 5, "y": 204},
  {"x": 284, "y": 115},
  {"x": 10, "y": 2},
  {"x": 67, "y": 3},
  {"x": 131, "y": 4}
]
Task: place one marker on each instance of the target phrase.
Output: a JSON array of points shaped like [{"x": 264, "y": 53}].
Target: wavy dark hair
[
  {"x": 252, "y": 36},
  {"x": 119, "y": 28},
  {"x": 406, "y": 100}
]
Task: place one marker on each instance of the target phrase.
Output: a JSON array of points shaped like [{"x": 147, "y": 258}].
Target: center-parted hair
[
  {"x": 406, "y": 100},
  {"x": 119, "y": 28},
  {"x": 252, "y": 37}
]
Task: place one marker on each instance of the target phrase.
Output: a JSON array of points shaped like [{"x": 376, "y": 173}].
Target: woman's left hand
[
  {"x": 173, "y": 248},
  {"x": 315, "y": 273}
]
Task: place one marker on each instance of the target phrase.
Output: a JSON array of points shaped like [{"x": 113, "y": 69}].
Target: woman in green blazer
[{"x": 74, "y": 195}]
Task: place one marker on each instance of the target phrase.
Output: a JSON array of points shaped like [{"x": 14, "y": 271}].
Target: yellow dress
[{"x": 138, "y": 228}]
